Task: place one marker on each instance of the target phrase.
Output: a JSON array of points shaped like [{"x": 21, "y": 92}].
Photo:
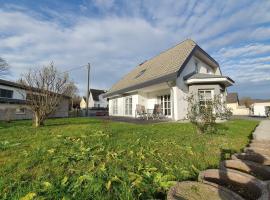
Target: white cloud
[
  {"x": 104, "y": 4},
  {"x": 112, "y": 45},
  {"x": 244, "y": 51},
  {"x": 123, "y": 37}
]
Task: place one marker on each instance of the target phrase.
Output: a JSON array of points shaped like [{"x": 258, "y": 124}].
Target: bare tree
[
  {"x": 73, "y": 91},
  {"x": 45, "y": 89},
  {"x": 247, "y": 101},
  {"x": 3, "y": 66}
]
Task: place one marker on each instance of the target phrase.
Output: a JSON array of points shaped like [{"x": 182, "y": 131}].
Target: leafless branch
[{"x": 45, "y": 89}]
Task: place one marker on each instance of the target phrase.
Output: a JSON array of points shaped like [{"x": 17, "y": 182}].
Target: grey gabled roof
[
  {"x": 96, "y": 93},
  {"x": 166, "y": 64},
  {"x": 21, "y": 86},
  {"x": 12, "y": 84}
]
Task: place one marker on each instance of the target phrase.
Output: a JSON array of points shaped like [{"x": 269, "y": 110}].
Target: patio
[{"x": 134, "y": 120}]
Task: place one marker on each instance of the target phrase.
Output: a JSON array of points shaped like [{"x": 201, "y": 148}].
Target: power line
[{"x": 74, "y": 68}]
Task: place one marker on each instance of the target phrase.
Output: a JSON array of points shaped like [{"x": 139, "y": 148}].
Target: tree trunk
[{"x": 38, "y": 121}]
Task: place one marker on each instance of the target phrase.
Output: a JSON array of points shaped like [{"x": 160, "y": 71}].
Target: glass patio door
[
  {"x": 128, "y": 106},
  {"x": 165, "y": 102}
]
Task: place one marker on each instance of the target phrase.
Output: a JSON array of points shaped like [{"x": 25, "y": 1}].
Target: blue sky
[{"x": 115, "y": 36}]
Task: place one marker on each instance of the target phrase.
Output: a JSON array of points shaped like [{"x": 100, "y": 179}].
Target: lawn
[{"x": 80, "y": 158}]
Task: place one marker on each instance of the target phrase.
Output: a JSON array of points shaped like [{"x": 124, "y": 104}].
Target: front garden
[{"x": 83, "y": 158}]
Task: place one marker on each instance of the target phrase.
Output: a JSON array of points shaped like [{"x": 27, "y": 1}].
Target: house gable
[{"x": 165, "y": 67}]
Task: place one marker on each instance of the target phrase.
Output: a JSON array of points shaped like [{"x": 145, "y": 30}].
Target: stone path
[
  {"x": 262, "y": 132},
  {"x": 245, "y": 177}
]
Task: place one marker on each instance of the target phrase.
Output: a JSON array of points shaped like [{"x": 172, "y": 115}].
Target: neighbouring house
[
  {"x": 96, "y": 99},
  {"x": 13, "y": 103},
  {"x": 232, "y": 102},
  {"x": 166, "y": 80},
  {"x": 261, "y": 108}
]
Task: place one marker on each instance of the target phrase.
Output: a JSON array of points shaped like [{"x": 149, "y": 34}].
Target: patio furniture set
[{"x": 143, "y": 113}]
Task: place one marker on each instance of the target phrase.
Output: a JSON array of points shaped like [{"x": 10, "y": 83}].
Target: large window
[
  {"x": 6, "y": 93},
  {"x": 128, "y": 106},
  {"x": 165, "y": 102},
  {"x": 115, "y": 106},
  {"x": 205, "y": 98}
]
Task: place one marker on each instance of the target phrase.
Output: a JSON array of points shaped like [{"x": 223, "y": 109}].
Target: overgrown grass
[{"x": 82, "y": 158}]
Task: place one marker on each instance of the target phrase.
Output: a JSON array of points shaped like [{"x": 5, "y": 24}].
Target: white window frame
[
  {"x": 203, "y": 99},
  {"x": 128, "y": 105},
  {"x": 166, "y": 104},
  {"x": 115, "y": 106}
]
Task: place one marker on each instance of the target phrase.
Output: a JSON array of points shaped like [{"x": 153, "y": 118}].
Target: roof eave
[
  {"x": 223, "y": 80},
  {"x": 158, "y": 80}
]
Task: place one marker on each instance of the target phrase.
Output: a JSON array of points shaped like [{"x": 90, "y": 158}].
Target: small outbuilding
[
  {"x": 96, "y": 99},
  {"x": 261, "y": 109},
  {"x": 14, "y": 102},
  {"x": 232, "y": 102}
]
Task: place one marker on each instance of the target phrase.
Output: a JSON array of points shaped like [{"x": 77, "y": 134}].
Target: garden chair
[
  {"x": 157, "y": 113},
  {"x": 140, "y": 111}
]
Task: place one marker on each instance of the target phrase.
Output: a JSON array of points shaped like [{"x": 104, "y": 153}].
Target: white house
[
  {"x": 96, "y": 99},
  {"x": 166, "y": 80},
  {"x": 261, "y": 108},
  {"x": 13, "y": 102},
  {"x": 232, "y": 102}
]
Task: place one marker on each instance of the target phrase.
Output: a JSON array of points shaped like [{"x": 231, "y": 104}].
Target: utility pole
[{"x": 88, "y": 91}]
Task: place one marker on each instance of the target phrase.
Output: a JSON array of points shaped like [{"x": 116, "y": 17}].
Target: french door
[
  {"x": 128, "y": 106},
  {"x": 165, "y": 102}
]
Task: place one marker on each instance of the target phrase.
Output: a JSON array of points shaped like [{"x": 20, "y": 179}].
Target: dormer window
[{"x": 140, "y": 73}]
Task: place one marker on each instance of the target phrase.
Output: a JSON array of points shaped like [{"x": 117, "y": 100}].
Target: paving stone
[
  {"x": 254, "y": 157},
  {"x": 263, "y": 151},
  {"x": 244, "y": 184},
  {"x": 262, "y": 132},
  {"x": 201, "y": 191},
  {"x": 259, "y": 171}
]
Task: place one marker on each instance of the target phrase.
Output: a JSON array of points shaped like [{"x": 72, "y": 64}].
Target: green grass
[{"x": 80, "y": 158}]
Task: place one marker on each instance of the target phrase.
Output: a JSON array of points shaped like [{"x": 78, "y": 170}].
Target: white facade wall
[
  {"x": 259, "y": 108},
  {"x": 182, "y": 91},
  {"x": 179, "y": 93},
  {"x": 121, "y": 105},
  {"x": 102, "y": 102},
  {"x": 238, "y": 110},
  {"x": 204, "y": 68},
  {"x": 17, "y": 93}
]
